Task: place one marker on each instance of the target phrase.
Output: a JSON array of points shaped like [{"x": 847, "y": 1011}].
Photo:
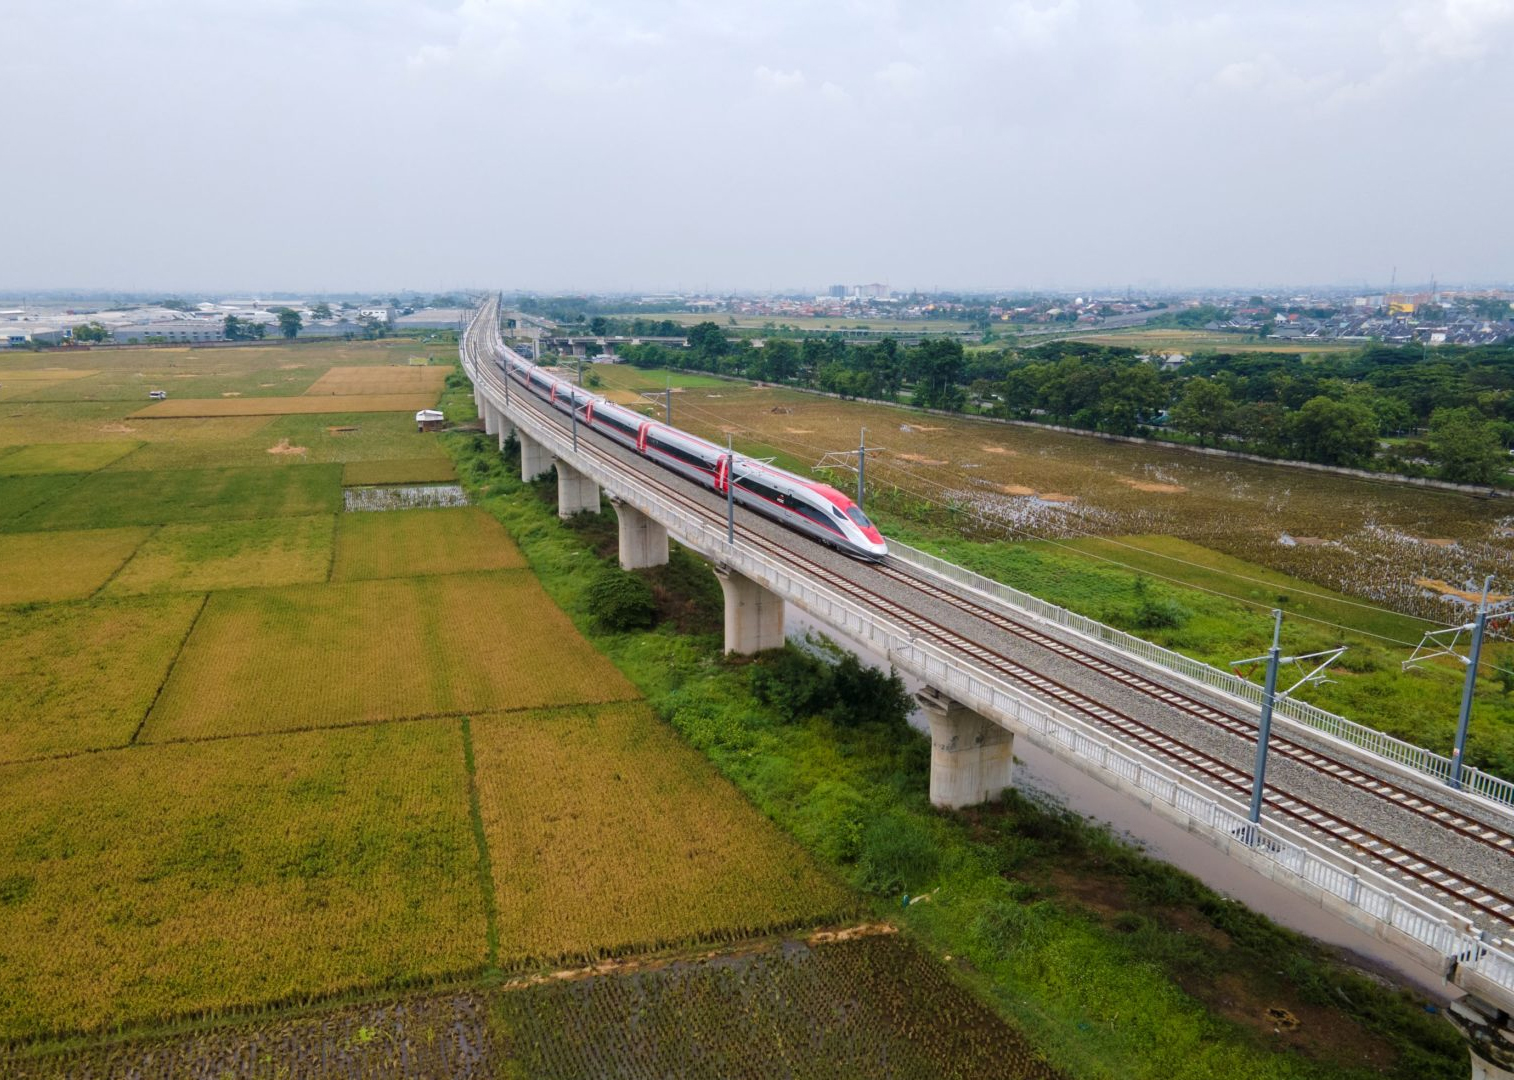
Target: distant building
[
  {"x": 429, "y": 420},
  {"x": 837, "y": 290},
  {"x": 178, "y": 331},
  {"x": 385, "y": 315}
]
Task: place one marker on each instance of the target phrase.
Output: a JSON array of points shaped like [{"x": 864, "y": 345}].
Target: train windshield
[{"x": 858, "y": 517}]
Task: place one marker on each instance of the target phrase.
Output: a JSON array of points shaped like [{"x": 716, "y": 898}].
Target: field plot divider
[
  {"x": 1378, "y": 743},
  {"x": 1435, "y": 935}
]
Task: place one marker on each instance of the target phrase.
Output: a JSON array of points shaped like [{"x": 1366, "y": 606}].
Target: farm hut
[{"x": 429, "y": 420}]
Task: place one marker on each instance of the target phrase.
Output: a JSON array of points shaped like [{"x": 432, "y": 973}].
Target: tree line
[{"x": 1444, "y": 411}]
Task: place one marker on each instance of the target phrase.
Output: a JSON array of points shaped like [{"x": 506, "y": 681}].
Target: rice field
[
  {"x": 140, "y": 885},
  {"x": 36, "y": 567},
  {"x": 229, "y": 555},
  {"x": 608, "y": 833},
  {"x": 106, "y": 499},
  {"x": 412, "y": 543},
  {"x": 330, "y": 655},
  {"x": 81, "y": 676},
  {"x": 388, "y": 380},
  {"x": 411, "y": 471},
  {"x": 64, "y": 457},
  {"x": 52, "y": 423},
  {"x": 319, "y": 438},
  {"x": 256, "y": 406},
  {"x": 19, "y": 495}
]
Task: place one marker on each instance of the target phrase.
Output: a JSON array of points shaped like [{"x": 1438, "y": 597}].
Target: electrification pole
[
  {"x": 1470, "y": 686},
  {"x": 1264, "y": 730},
  {"x": 861, "y": 466},
  {"x": 730, "y": 492}
]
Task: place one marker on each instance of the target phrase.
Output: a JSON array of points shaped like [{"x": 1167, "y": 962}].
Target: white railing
[
  {"x": 1435, "y": 931},
  {"x": 1436, "y": 766}
]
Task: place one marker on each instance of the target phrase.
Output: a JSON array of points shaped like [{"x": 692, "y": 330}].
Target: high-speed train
[{"x": 816, "y": 510}]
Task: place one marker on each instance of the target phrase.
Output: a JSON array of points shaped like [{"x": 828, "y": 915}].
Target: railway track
[{"x": 1394, "y": 859}]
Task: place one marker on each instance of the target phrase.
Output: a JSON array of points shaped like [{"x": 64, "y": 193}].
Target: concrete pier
[
  {"x": 506, "y": 427},
  {"x": 490, "y": 416},
  {"x": 643, "y": 542},
  {"x": 971, "y": 757},
  {"x": 534, "y": 458},
  {"x": 575, "y": 492},
  {"x": 753, "y": 615}
]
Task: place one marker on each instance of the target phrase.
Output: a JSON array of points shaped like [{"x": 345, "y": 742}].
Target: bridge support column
[
  {"x": 1489, "y": 1034},
  {"x": 534, "y": 458},
  {"x": 643, "y": 542},
  {"x": 575, "y": 492},
  {"x": 490, "y": 416},
  {"x": 506, "y": 427},
  {"x": 753, "y": 615},
  {"x": 971, "y": 757}
]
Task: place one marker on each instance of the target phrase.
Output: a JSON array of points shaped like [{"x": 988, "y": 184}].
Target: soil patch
[
  {"x": 1056, "y": 497},
  {"x": 1015, "y": 489},
  {"x": 919, "y": 459},
  {"x": 1447, "y": 589},
  {"x": 283, "y": 447},
  {"x": 997, "y": 450},
  {"x": 117, "y": 429},
  {"x": 798, "y": 431},
  {"x": 1155, "y": 488}
]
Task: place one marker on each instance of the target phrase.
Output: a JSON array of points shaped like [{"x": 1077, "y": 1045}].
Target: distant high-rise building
[
  {"x": 836, "y": 290},
  {"x": 874, "y": 291}
]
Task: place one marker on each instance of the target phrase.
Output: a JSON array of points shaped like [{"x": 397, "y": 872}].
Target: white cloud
[
  {"x": 900, "y": 77},
  {"x": 778, "y": 81}
]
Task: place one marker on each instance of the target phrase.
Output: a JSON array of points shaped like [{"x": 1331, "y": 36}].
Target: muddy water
[{"x": 1037, "y": 771}]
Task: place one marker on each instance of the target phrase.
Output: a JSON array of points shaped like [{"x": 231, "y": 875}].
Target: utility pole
[
  {"x": 580, "y": 371},
  {"x": 1470, "y": 686},
  {"x": 669, "y": 393},
  {"x": 842, "y": 459},
  {"x": 573, "y": 412},
  {"x": 730, "y": 492}
]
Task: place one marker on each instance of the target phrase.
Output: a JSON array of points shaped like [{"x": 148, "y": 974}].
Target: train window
[{"x": 856, "y": 514}]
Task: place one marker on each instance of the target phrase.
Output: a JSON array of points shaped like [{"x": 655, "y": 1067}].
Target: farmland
[
  {"x": 62, "y": 566},
  {"x": 410, "y": 543},
  {"x": 229, "y": 555},
  {"x": 689, "y": 860},
  {"x": 302, "y": 657}
]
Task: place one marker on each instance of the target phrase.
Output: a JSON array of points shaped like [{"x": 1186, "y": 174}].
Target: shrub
[
  {"x": 619, "y": 601},
  {"x": 898, "y": 854}
]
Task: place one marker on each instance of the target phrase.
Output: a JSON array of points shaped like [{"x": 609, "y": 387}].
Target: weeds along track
[{"x": 1394, "y": 859}]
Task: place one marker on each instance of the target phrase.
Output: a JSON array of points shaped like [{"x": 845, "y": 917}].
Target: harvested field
[
  {"x": 868, "y": 1007},
  {"x": 22, "y": 383},
  {"x": 325, "y": 437},
  {"x": 64, "y": 457},
  {"x": 607, "y": 832},
  {"x": 410, "y": 543},
  {"x": 324, "y": 656},
  {"x": 62, "y": 565},
  {"x": 348, "y": 403},
  {"x": 414, "y": 471},
  {"x": 145, "y": 885},
  {"x": 388, "y": 380},
  {"x": 81, "y": 676},
  {"x": 230, "y": 555},
  {"x": 158, "y": 498}
]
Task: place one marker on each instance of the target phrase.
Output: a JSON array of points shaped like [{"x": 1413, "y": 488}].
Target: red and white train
[{"x": 816, "y": 510}]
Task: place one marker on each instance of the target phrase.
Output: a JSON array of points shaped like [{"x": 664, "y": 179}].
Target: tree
[
  {"x": 780, "y": 359},
  {"x": 90, "y": 331},
  {"x": 321, "y": 311},
  {"x": 1466, "y": 446},
  {"x": 599, "y": 326},
  {"x": 232, "y": 327},
  {"x": 1334, "y": 432},
  {"x": 1203, "y": 410},
  {"x": 708, "y": 340},
  {"x": 290, "y": 322}
]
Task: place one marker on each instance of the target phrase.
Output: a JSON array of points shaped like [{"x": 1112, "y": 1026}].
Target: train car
[{"x": 816, "y": 510}]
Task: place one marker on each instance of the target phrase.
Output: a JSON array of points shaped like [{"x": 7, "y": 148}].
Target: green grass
[
  {"x": 651, "y": 380},
  {"x": 21, "y": 494},
  {"x": 107, "y": 499}
]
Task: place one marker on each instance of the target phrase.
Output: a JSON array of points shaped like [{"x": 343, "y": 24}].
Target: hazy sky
[{"x": 431, "y": 144}]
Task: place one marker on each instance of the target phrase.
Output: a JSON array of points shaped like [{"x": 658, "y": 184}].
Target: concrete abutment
[
  {"x": 534, "y": 458},
  {"x": 753, "y": 614},
  {"x": 643, "y": 542},
  {"x": 971, "y": 757}
]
